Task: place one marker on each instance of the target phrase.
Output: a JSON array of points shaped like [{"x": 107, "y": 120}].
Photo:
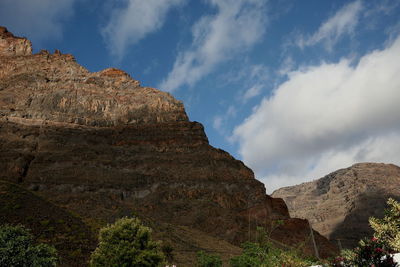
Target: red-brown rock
[
  {"x": 102, "y": 146},
  {"x": 339, "y": 204}
]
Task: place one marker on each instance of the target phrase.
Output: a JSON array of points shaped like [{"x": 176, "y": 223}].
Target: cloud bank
[
  {"x": 40, "y": 20},
  {"x": 326, "y": 117},
  {"x": 131, "y": 23},
  {"x": 237, "y": 26}
]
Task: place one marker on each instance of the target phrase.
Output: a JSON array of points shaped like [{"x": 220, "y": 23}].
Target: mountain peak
[
  {"x": 11, "y": 45},
  {"x": 53, "y": 88}
]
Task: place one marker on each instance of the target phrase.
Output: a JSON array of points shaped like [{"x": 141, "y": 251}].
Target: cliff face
[
  {"x": 339, "y": 204},
  {"x": 11, "y": 45},
  {"x": 102, "y": 146}
]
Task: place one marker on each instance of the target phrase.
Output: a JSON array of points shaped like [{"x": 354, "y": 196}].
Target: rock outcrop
[
  {"x": 101, "y": 145},
  {"x": 339, "y": 204},
  {"x": 13, "y": 46}
]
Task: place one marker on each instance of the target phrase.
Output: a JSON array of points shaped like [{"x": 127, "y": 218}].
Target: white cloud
[
  {"x": 237, "y": 26},
  {"x": 343, "y": 22},
  {"x": 326, "y": 117},
  {"x": 217, "y": 123},
  {"x": 286, "y": 66},
  {"x": 231, "y": 111},
  {"x": 252, "y": 92},
  {"x": 131, "y": 23},
  {"x": 39, "y": 20},
  {"x": 221, "y": 121}
]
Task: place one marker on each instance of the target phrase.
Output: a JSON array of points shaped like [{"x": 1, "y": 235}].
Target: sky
[{"x": 294, "y": 89}]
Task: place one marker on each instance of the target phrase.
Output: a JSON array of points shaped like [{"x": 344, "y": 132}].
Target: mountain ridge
[
  {"x": 339, "y": 204},
  {"x": 102, "y": 146}
]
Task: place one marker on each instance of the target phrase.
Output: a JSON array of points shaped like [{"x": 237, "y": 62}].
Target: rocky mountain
[
  {"x": 339, "y": 204},
  {"x": 102, "y": 146}
]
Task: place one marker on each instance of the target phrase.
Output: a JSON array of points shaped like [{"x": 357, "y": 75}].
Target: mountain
[
  {"x": 102, "y": 146},
  {"x": 338, "y": 205},
  {"x": 73, "y": 239}
]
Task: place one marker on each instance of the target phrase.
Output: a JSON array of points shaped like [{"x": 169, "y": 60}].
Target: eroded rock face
[
  {"x": 339, "y": 204},
  {"x": 13, "y": 46},
  {"x": 53, "y": 87},
  {"x": 101, "y": 145}
]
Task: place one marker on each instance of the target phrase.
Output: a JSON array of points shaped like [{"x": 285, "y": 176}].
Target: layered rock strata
[
  {"x": 339, "y": 204},
  {"x": 103, "y": 146}
]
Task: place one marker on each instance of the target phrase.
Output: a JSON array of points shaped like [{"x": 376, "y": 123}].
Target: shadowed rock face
[
  {"x": 339, "y": 204},
  {"x": 73, "y": 239},
  {"x": 102, "y": 146}
]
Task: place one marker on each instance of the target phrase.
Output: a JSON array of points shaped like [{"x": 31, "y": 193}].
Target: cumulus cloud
[
  {"x": 237, "y": 26},
  {"x": 40, "y": 20},
  {"x": 342, "y": 22},
  {"x": 131, "y": 23},
  {"x": 326, "y": 117}
]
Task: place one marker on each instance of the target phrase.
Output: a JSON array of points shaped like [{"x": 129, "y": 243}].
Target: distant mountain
[
  {"x": 339, "y": 204},
  {"x": 102, "y": 146}
]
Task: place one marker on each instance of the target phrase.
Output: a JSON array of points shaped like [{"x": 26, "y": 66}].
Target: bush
[
  {"x": 373, "y": 252},
  {"x": 168, "y": 251},
  {"x": 378, "y": 251},
  {"x": 17, "y": 249},
  {"x": 252, "y": 256},
  {"x": 126, "y": 243},
  {"x": 208, "y": 260},
  {"x": 266, "y": 254},
  {"x": 368, "y": 253}
]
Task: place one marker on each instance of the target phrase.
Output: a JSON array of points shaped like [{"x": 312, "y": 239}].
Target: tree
[
  {"x": 126, "y": 243},
  {"x": 18, "y": 249},
  {"x": 387, "y": 229},
  {"x": 208, "y": 260}
]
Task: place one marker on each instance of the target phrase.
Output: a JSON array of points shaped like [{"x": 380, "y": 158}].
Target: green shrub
[
  {"x": 371, "y": 252},
  {"x": 267, "y": 255},
  {"x": 252, "y": 256},
  {"x": 17, "y": 249},
  {"x": 208, "y": 260},
  {"x": 126, "y": 243},
  {"x": 168, "y": 251},
  {"x": 264, "y": 253}
]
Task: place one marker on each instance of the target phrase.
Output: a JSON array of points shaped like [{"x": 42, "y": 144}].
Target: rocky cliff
[
  {"x": 339, "y": 204},
  {"x": 103, "y": 146}
]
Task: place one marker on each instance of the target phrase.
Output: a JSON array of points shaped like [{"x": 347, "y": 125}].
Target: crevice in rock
[
  {"x": 25, "y": 168},
  {"x": 27, "y": 164}
]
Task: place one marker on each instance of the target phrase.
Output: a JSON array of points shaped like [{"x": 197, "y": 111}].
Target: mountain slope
[
  {"x": 102, "y": 146},
  {"x": 73, "y": 239},
  {"x": 339, "y": 204}
]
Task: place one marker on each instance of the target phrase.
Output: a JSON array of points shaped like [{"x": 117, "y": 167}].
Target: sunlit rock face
[
  {"x": 339, "y": 204},
  {"x": 103, "y": 146},
  {"x": 13, "y": 46}
]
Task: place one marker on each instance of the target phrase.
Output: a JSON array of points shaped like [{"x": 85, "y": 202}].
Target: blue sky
[{"x": 295, "y": 89}]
